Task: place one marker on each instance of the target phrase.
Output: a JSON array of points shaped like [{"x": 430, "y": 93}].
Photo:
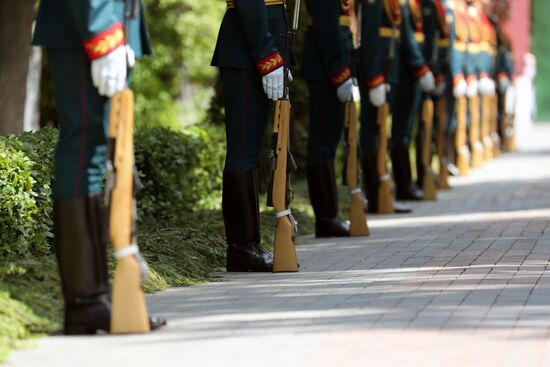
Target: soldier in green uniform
[
  {"x": 85, "y": 46},
  {"x": 435, "y": 50},
  {"x": 504, "y": 64},
  {"x": 415, "y": 77},
  {"x": 458, "y": 39},
  {"x": 389, "y": 54},
  {"x": 326, "y": 66},
  {"x": 249, "y": 55}
]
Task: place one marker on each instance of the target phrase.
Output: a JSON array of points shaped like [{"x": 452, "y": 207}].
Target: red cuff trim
[
  {"x": 470, "y": 78},
  {"x": 270, "y": 63},
  {"x": 501, "y": 75},
  {"x": 105, "y": 42},
  {"x": 375, "y": 81},
  {"x": 338, "y": 78},
  {"x": 458, "y": 78},
  {"x": 440, "y": 78},
  {"x": 420, "y": 72}
]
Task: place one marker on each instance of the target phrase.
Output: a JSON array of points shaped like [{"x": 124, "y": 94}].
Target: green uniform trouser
[
  {"x": 247, "y": 112},
  {"x": 405, "y": 110},
  {"x": 326, "y": 119},
  {"x": 83, "y": 121}
]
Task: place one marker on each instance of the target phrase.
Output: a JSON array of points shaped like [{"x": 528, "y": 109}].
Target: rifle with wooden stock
[
  {"x": 486, "y": 126},
  {"x": 441, "y": 115},
  {"x": 128, "y": 310},
  {"x": 385, "y": 186},
  {"x": 279, "y": 193},
  {"x": 428, "y": 180},
  {"x": 462, "y": 151},
  {"x": 358, "y": 217},
  {"x": 477, "y": 146}
]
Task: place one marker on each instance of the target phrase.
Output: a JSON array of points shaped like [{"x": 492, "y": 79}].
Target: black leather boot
[
  {"x": 323, "y": 194},
  {"x": 370, "y": 180},
  {"x": 80, "y": 244},
  {"x": 418, "y": 154},
  {"x": 81, "y": 248},
  {"x": 406, "y": 189},
  {"x": 242, "y": 223}
]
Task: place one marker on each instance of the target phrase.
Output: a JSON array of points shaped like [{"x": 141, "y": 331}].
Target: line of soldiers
[
  {"x": 402, "y": 52},
  {"x": 408, "y": 51}
]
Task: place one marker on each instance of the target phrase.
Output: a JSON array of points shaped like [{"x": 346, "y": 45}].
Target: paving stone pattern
[{"x": 463, "y": 281}]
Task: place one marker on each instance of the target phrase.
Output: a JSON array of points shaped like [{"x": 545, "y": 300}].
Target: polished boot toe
[
  {"x": 156, "y": 322},
  {"x": 401, "y": 209},
  {"x": 250, "y": 257},
  {"x": 331, "y": 227},
  {"x": 411, "y": 192},
  {"x": 87, "y": 317}
]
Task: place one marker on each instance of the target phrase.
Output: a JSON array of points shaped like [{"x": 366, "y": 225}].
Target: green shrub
[
  {"x": 181, "y": 170},
  {"x": 39, "y": 148},
  {"x": 17, "y": 206}
]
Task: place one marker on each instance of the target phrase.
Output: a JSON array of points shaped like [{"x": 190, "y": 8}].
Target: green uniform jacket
[
  {"x": 84, "y": 24},
  {"x": 504, "y": 63},
  {"x": 474, "y": 58},
  {"x": 436, "y": 31},
  {"x": 328, "y": 44},
  {"x": 250, "y": 37},
  {"x": 458, "y": 39},
  {"x": 374, "y": 68}
]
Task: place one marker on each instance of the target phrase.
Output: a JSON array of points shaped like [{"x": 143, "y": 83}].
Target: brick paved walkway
[{"x": 461, "y": 282}]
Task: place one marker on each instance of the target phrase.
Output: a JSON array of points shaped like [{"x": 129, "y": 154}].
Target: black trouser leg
[
  {"x": 242, "y": 223},
  {"x": 401, "y": 162},
  {"x": 323, "y": 194}
]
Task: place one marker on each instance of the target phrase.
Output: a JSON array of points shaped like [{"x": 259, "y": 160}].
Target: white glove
[
  {"x": 377, "y": 95},
  {"x": 503, "y": 84},
  {"x": 486, "y": 86},
  {"x": 345, "y": 91},
  {"x": 109, "y": 72},
  {"x": 440, "y": 88},
  {"x": 427, "y": 82},
  {"x": 459, "y": 90},
  {"x": 472, "y": 89},
  {"x": 274, "y": 84}
]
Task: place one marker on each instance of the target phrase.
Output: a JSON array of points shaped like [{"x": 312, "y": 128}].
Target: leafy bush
[
  {"x": 26, "y": 166},
  {"x": 184, "y": 34},
  {"x": 17, "y": 207},
  {"x": 181, "y": 170}
]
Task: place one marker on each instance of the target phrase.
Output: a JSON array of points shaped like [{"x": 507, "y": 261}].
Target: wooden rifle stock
[
  {"x": 477, "y": 147},
  {"x": 494, "y": 130},
  {"x": 428, "y": 181},
  {"x": 284, "y": 254},
  {"x": 486, "y": 126},
  {"x": 462, "y": 151},
  {"x": 129, "y": 311},
  {"x": 509, "y": 133},
  {"x": 441, "y": 113},
  {"x": 385, "y": 186},
  {"x": 358, "y": 217}
]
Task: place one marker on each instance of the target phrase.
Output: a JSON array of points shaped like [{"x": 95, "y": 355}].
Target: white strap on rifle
[
  {"x": 283, "y": 213},
  {"x": 385, "y": 178},
  {"x": 356, "y": 191},
  {"x": 131, "y": 250}
]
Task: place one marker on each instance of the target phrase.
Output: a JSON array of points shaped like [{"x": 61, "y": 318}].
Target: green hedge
[{"x": 181, "y": 170}]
